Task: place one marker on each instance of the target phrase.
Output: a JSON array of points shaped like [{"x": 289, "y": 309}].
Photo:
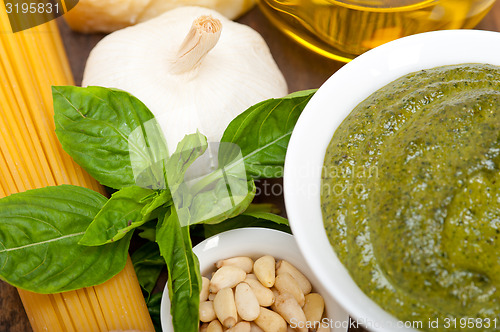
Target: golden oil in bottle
[{"x": 342, "y": 30}]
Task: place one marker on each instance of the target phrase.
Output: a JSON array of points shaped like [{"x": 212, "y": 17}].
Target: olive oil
[{"x": 342, "y": 30}]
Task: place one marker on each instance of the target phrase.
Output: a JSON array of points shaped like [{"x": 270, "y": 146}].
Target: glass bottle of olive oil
[{"x": 346, "y": 28}]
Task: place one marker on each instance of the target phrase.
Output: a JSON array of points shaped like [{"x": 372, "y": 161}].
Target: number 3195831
[{"x": 32, "y": 8}]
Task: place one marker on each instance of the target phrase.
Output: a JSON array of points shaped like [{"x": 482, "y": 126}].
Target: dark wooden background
[{"x": 302, "y": 69}]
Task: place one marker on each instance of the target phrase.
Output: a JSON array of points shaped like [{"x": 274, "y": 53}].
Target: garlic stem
[{"x": 201, "y": 38}]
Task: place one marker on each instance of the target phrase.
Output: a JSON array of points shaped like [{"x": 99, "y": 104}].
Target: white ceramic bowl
[
  {"x": 255, "y": 242},
  {"x": 327, "y": 109}
]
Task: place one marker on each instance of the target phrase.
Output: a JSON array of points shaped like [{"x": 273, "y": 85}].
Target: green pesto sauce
[{"x": 411, "y": 196}]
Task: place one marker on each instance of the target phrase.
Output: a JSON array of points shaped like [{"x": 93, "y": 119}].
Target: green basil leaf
[
  {"x": 148, "y": 231},
  {"x": 267, "y": 216},
  {"x": 183, "y": 197},
  {"x": 122, "y": 213},
  {"x": 263, "y": 207},
  {"x": 39, "y": 234},
  {"x": 111, "y": 134},
  {"x": 188, "y": 150},
  {"x": 184, "y": 278},
  {"x": 154, "y": 305},
  {"x": 301, "y": 93},
  {"x": 152, "y": 210},
  {"x": 262, "y": 133},
  {"x": 244, "y": 220},
  {"x": 230, "y": 197},
  {"x": 148, "y": 264}
]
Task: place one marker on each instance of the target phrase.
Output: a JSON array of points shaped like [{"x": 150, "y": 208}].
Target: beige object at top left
[{"x": 109, "y": 15}]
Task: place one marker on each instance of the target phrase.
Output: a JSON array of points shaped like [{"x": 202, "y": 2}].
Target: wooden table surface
[{"x": 302, "y": 69}]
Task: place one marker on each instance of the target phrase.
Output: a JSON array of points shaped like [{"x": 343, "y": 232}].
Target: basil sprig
[
  {"x": 148, "y": 265},
  {"x": 39, "y": 234},
  {"x": 126, "y": 210},
  {"x": 262, "y": 133},
  {"x": 109, "y": 133},
  {"x": 65, "y": 237},
  {"x": 184, "y": 278}
]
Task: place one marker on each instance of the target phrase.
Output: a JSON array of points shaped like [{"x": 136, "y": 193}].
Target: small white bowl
[
  {"x": 327, "y": 109},
  {"x": 256, "y": 242}
]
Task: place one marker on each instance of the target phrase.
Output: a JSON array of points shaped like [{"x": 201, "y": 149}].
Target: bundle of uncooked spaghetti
[{"x": 31, "y": 157}]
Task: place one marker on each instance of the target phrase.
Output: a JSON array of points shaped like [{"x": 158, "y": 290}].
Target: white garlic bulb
[{"x": 199, "y": 82}]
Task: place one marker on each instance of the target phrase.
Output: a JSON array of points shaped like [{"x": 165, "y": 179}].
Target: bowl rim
[
  {"x": 314, "y": 130},
  {"x": 267, "y": 238}
]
